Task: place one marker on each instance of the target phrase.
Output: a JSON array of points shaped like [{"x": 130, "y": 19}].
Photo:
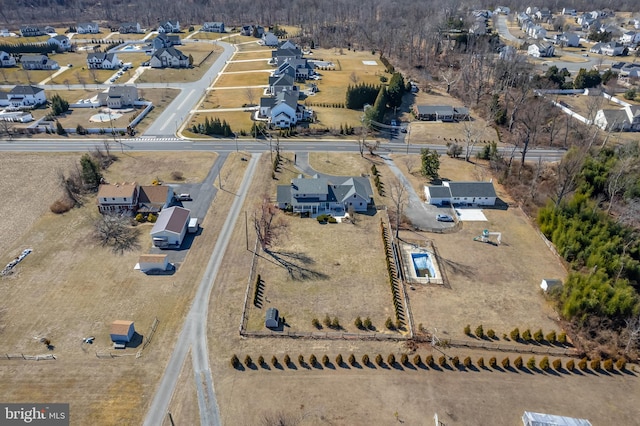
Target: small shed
[
  {"x": 549, "y": 284},
  {"x": 272, "y": 319},
  {"x": 122, "y": 331},
  {"x": 150, "y": 262}
]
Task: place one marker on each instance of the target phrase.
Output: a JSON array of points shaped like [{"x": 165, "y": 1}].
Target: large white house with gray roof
[
  {"x": 451, "y": 193},
  {"x": 318, "y": 195}
]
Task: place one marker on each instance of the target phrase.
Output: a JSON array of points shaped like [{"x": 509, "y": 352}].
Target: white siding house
[
  {"x": 170, "y": 227},
  {"x": 474, "y": 193}
]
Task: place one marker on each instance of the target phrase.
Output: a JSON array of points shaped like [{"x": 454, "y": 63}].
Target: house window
[
  {"x": 125, "y": 198},
  {"x": 113, "y": 199}
]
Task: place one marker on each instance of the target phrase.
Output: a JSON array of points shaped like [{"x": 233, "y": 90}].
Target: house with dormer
[
  {"x": 130, "y": 28},
  {"x": 317, "y": 195},
  {"x": 169, "y": 27},
  {"x": 61, "y": 42},
  {"x": 164, "y": 41},
  {"x": 213, "y": 27},
  {"x": 31, "y": 31},
  {"x": 169, "y": 57},
  {"x": 26, "y": 97},
  {"x": 88, "y": 28},
  {"x": 38, "y": 62},
  {"x": 106, "y": 61},
  {"x": 7, "y": 60}
]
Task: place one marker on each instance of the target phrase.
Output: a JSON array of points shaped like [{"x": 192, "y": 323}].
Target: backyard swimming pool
[{"x": 423, "y": 265}]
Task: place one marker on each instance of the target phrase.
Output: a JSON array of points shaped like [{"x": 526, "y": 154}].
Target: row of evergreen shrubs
[
  {"x": 429, "y": 361},
  {"x": 327, "y": 322},
  {"x": 324, "y": 104},
  {"x": 395, "y": 293},
  {"x": 376, "y": 180},
  {"x": 256, "y": 291},
  {"x": 538, "y": 336}
]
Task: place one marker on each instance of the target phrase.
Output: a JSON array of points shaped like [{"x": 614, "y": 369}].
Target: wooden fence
[{"x": 24, "y": 357}]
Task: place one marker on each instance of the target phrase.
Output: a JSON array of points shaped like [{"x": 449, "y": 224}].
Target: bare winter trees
[
  {"x": 266, "y": 223},
  {"x": 398, "y": 194},
  {"x": 116, "y": 232}
]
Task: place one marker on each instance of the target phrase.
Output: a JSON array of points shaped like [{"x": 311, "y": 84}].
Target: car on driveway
[
  {"x": 184, "y": 197},
  {"x": 444, "y": 218}
]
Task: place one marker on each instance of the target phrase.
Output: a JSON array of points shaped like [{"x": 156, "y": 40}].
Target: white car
[{"x": 444, "y": 218}]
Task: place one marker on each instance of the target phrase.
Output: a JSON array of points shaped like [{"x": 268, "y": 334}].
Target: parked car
[
  {"x": 444, "y": 218},
  {"x": 184, "y": 197}
]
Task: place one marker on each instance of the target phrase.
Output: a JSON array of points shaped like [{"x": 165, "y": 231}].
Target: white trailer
[{"x": 193, "y": 225}]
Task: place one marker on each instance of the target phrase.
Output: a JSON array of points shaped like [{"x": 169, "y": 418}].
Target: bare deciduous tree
[
  {"x": 398, "y": 196},
  {"x": 567, "y": 173},
  {"x": 250, "y": 95},
  {"x": 633, "y": 332},
  {"x": 266, "y": 223},
  {"x": 116, "y": 231},
  {"x": 472, "y": 132}
]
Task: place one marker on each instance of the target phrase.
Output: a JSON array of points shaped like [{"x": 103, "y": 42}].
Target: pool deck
[{"x": 406, "y": 250}]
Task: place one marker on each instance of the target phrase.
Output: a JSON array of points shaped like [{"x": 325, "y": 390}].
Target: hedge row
[
  {"x": 526, "y": 336},
  {"x": 395, "y": 292}
]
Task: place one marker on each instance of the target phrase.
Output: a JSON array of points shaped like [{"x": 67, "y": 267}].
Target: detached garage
[
  {"x": 171, "y": 227},
  {"x": 150, "y": 262},
  {"x": 122, "y": 331}
]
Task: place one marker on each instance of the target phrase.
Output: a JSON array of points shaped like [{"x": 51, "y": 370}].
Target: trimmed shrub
[
  {"x": 557, "y": 364},
  {"x": 325, "y": 360},
  {"x": 531, "y": 363},
  {"x": 621, "y": 364},
  {"x": 335, "y": 324},
  {"x": 608, "y": 364},
  {"x": 515, "y": 334},
  {"x": 538, "y": 336},
  {"x": 274, "y": 361},
  {"x": 428, "y": 360},
  {"x": 248, "y": 361},
  {"x": 235, "y": 362},
  {"x": 571, "y": 365},
  {"x": 491, "y": 334},
  {"x": 391, "y": 360},
  {"x": 595, "y": 364},
  {"x": 506, "y": 363},
  {"x": 467, "y": 330},
  {"x": 367, "y": 323},
  {"x": 562, "y": 338},
  {"x": 479, "y": 332},
  {"x": 316, "y": 323},
  {"x": 455, "y": 361},
  {"x": 379, "y": 359},
  {"x": 480, "y": 362},
  {"x": 358, "y": 323},
  {"x": 551, "y": 337},
  {"x": 365, "y": 359},
  {"x": 467, "y": 362},
  {"x": 582, "y": 364},
  {"x": 352, "y": 359},
  {"x": 404, "y": 359},
  {"x": 326, "y": 321},
  {"x": 526, "y": 335},
  {"x": 339, "y": 360},
  {"x": 151, "y": 218},
  {"x": 312, "y": 360},
  {"x": 301, "y": 360},
  {"x": 286, "y": 360},
  {"x": 442, "y": 361},
  {"x": 544, "y": 363},
  {"x": 493, "y": 362},
  {"x": 389, "y": 324},
  {"x": 261, "y": 360},
  {"x": 518, "y": 363},
  {"x": 417, "y": 360}
]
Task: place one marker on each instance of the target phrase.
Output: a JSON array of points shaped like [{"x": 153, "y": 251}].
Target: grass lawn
[
  {"x": 16, "y": 75},
  {"x": 199, "y": 51},
  {"x": 262, "y": 54},
  {"x": 246, "y": 44},
  {"x": 238, "y": 120},
  {"x": 332, "y": 118},
  {"x": 125, "y": 37},
  {"x": 205, "y": 35},
  {"x": 231, "y": 98},
  {"x": 243, "y": 79},
  {"x": 434, "y": 132},
  {"x": 261, "y": 64}
]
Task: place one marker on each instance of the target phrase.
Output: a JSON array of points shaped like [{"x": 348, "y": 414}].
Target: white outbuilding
[
  {"x": 171, "y": 227},
  {"x": 153, "y": 262}
]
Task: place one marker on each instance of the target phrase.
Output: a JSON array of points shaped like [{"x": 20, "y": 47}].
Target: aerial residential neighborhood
[{"x": 338, "y": 213}]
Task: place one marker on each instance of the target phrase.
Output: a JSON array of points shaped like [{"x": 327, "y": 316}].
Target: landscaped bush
[
  {"x": 379, "y": 360},
  {"x": 326, "y": 321},
  {"x": 365, "y": 359},
  {"x": 404, "y": 359},
  {"x": 151, "y": 218},
  {"x": 389, "y": 324},
  {"x": 538, "y": 336},
  {"x": 479, "y": 332},
  {"x": 608, "y": 364},
  {"x": 325, "y": 360},
  {"x": 335, "y": 324},
  {"x": 493, "y": 362},
  {"x": 286, "y": 360},
  {"x": 582, "y": 364},
  {"x": 551, "y": 337},
  {"x": 531, "y": 363},
  {"x": 544, "y": 363},
  {"x": 491, "y": 334},
  {"x": 455, "y": 361},
  {"x": 442, "y": 361},
  {"x": 316, "y": 323},
  {"x": 339, "y": 360},
  {"x": 261, "y": 360},
  {"x": 595, "y": 364},
  {"x": 526, "y": 335},
  {"x": 391, "y": 360},
  {"x": 274, "y": 361},
  {"x": 61, "y": 205},
  {"x": 467, "y": 362},
  {"x": 139, "y": 217},
  {"x": 562, "y": 338},
  {"x": 367, "y": 323},
  {"x": 312, "y": 360},
  {"x": 352, "y": 359},
  {"x": 480, "y": 362},
  {"x": 429, "y": 360},
  {"x": 417, "y": 360},
  {"x": 358, "y": 323},
  {"x": 301, "y": 360},
  {"x": 506, "y": 363},
  {"x": 467, "y": 330},
  {"x": 515, "y": 334},
  {"x": 570, "y": 365},
  {"x": 557, "y": 364},
  {"x": 248, "y": 361},
  {"x": 517, "y": 363},
  {"x": 621, "y": 364},
  {"x": 235, "y": 362}
]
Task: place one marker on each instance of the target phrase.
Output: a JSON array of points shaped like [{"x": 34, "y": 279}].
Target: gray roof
[
  {"x": 173, "y": 219},
  {"x": 272, "y": 314},
  {"x": 615, "y": 116},
  {"x": 267, "y": 102},
  {"x": 33, "y": 58},
  {"x": 172, "y": 51},
  {"x": 540, "y": 419},
  {"x": 472, "y": 189},
  {"x": 439, "y": 191},
  {"x": 60, "y": 38},
  {"x": 281, "y": 80},
  {"x": 309, "y": 186},
  {"x": 336, "y": 188},
  {"x": 435, "y": 109},
  {"x": 25, "y": 90},
  {"x": 102, "y": 56}
]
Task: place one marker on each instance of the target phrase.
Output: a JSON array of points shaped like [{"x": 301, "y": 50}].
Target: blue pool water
[
  {"x": 423, "y": 265},
  {"x": 130, "y": 47}
]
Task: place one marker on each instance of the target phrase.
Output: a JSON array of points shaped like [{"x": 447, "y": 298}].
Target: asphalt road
[{"x": 503, "y": 30}]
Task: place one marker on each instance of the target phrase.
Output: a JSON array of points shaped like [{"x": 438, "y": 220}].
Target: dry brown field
[
  {"x": 253, "y": 65},
  {"x": 256, "y": 78},
  {"x": 202, "y": 60},
  {"x": 238, "y": 120},
  {"x": 260, "y": 54},
  {"x": 231, "y": 98}
]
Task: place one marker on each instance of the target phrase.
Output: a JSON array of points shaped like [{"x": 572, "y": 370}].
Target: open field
[
  {"x": 243, "y": 79},
  {"x": 117, "y": 36},
  {"x": 88, "y": 286},
  {"x": 238, "y": 120},
  {"x": 334, "y": 282},
  {"x": 249, "y": 66},
  {"x": 332, "y": 118},
  {"x": 16, "y": 75},
  {"x": 231, "y": 98},
  {"x": 434, "y": 132},
  {"x": 334, "y": 83},
  {"x": 261, "y": 54},
  {"x": 146, "y": 168}
]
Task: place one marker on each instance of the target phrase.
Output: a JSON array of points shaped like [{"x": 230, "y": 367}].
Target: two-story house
[
  {"x": 541, "y": 50},
  {"x": 26, "y": 96},
  {"x": 169, "y": 27},
  {"x": 38, "y": 62},
  {"x": 88, "y": 28},
  {"x": 61, "y": 42},
  {"x": 107, "y": 61},
  {"x": 164, "y": 41},
  {"x": 269, "y": 39},
  {"x": 31, "y": 31},
  {"x": 119, "y": 198},
  {"x": 169, "y": 57},
  {"x": 119, "y": 96},
  {"x": 130, "y": 28},
  {"x": 567, "y": 39},
  {"x": 630, "y": 37},
  {"x": 612, "y": 49},
  {"x": 624, "y": 119},
  {"x": 213, "y": 27}
]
